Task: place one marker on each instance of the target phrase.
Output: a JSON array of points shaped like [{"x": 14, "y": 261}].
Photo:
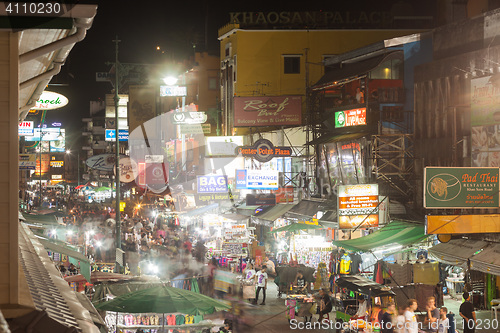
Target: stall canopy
[
  {"x": 364, "y": 286},
  {"x": 274, "y": 212},
  {"x": 200, "y": 211},
  {"x": 488, "y": 260},
  {"x": 329, "y": 219},
  {"x": 352, "y": 70},
  {"x": 457, "y": 251},
  {"x": 397, "y": 232},
  {"x": 309, "y": 208}
]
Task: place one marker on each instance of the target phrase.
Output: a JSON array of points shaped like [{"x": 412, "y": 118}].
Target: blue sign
[
  {"x": 212, "y": 184},
  {"x": 111, "y": 135},
  {"x": 241, "y": 179},
  {"x": 257, "y": 179}
]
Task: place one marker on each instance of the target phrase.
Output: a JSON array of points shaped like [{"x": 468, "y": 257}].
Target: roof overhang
[{"x": 44, "y": 45}]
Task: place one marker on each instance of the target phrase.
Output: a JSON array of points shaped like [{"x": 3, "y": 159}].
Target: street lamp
[{"x": 170, "y": 80}]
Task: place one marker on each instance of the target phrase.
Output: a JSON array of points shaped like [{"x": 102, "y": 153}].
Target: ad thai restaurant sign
[
  {"x": 358, "y": 204},
  {"x": 349, "y": 118},
  {"x": 461, "y": 187},
  {"x": 485, "y": 121},
  {"x": 267, "y": 111}
]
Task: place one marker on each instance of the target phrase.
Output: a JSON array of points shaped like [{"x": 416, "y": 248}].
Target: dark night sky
[{"x": 141, "y": 25}]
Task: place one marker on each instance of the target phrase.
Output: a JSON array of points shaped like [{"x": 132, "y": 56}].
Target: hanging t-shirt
[
  {"x": 355, "y": 263},
  {"x": 345, "y": 264}
]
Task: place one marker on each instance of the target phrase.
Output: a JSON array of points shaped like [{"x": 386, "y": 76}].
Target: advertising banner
[
  {"x": 26, "y": 128},
  {"x": 209, "y": 198},
  {"x": 267, "y": 111},
  {"x": 127, "y": 168},
  {"x": 156, "y": 173},
  {"x": 50, "y": 100},
  {"x": 461, "y": 187},
  {"x": 284, "y": 195},
  {"x": 349, "y": 118},
  {"x": 462, "y": 224},
  {"x": 257, "y": 179},
  {"x": 222, "y": 145},
  {"x": 263, "y": 150},
  {"x": 142, "y": 105},
  {"x": 48, "y": 134},
  {"x": 173, "y": 91},
  {"x": 485, "y": 122},
  {"x": 212, "y": 184},
  {"x": 358, "y": 204},
  {"x": 44, "y": 164},
  {"x": 27, "y": 161}
]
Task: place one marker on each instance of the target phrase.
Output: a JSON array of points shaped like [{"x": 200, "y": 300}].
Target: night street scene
[{"x": 250, "y": 166}]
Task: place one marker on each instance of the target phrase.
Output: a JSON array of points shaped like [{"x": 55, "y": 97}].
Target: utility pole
[{"x": 117, "y": 156}]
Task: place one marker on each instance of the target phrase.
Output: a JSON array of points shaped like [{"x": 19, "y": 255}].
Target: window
[
  {"x": 212, "y": 83},
  {"x": 292, "y": 64}
]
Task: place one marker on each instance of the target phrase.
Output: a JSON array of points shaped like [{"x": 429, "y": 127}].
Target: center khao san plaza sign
[{"x": 461, "y": 187}]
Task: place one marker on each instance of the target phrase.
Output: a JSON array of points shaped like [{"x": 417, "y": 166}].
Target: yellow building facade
[{"x": 280, "y": 63}]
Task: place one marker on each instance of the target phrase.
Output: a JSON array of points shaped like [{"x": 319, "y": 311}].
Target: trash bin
[{"x": 451, "y": 320}]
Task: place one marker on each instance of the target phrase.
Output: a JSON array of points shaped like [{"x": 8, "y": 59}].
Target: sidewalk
[{"x": 485, "y": 318}]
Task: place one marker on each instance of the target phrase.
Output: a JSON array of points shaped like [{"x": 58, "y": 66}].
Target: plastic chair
[{"x": 495, "y": 309}]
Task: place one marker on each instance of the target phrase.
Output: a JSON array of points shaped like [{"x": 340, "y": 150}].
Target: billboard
[
  {"x": 261, "y": 199},
  {"x": 48, "y": 134},
  {"x": 461, "y": 187},
  {"x": 485, "y": 122},
  {"x": 358, "y": 204},
  {"x": 26, "y": 128},
  {"x": 50, "y": 100},
  {"x": 179, "y": 91},
  {"x": 349, "y": 118},
  {"x": 267, "y": 111},
  {"x": 462, "y": 224},
  {"x": 257, "y": 179},
  {"x": 27, "y": 161},
  {"x": 222, "y": 145},
  {"x": 212, "y": 184},
  {"x": 111, "y": 135}
]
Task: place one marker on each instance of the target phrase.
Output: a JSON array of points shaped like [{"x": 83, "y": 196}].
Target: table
[{"x": 304, "y": 304}]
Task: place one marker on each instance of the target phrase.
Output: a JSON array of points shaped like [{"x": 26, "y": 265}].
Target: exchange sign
[
  {"x": 461, "y": 187},
  {"x": 257, "y": 179}
]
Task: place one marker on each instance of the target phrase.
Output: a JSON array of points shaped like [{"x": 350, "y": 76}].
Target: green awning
[
  {"x": 396, "y": 232},
  {"x": 76, "y": 258}
]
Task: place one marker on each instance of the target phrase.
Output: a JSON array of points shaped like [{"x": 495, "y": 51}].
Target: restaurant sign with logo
[
  {"x": 461, "y": 187},
  {"x": 263, "y": 150},
  {"x": 267, "y": 111}
]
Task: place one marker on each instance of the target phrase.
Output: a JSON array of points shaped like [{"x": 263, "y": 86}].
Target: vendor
[
  {"x": 362, "y": 308},
  {"x": 300, "y": 283},
  {"x": 325, "y": 304}
]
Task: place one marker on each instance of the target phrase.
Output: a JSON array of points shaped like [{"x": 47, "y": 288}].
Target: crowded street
[{"x": 264, "y": 166}]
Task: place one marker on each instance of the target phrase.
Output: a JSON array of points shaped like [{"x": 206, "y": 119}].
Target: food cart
[{"x": 346, "y": 306}]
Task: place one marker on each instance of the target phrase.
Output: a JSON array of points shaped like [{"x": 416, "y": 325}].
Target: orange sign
[
  {"x": 463, "y": 224},
  {"x": 369, "y": 201}
]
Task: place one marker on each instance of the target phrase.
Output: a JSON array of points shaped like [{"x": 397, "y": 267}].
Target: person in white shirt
[
  {"x": 411, "y": 324},
  {"x": 271, "y": 268},
  {"x": 400, "y": 320},
  {"x": 443, "y": 322},
  {"x": 261, "y": 279},
  {"x": 362, "y": 308},
  {"x": 249, "y": 272}
]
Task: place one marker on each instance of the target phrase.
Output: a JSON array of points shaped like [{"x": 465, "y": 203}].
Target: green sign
[
  {"x": 349, "y": 118},
  {"x": 461, "y": 187}
]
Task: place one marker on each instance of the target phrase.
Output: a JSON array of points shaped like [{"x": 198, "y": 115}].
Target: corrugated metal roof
[{"x": 49, "y": 291}]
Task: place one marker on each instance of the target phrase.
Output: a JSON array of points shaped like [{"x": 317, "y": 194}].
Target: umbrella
[
  {"x": 103, "y": 188},
  {"x": 296, "y": 227},
  {"x": 98, "y": 277},
  {"x": 163, "y": 299}
]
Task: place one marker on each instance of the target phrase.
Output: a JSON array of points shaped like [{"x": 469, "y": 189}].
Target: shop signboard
[
  {"x": 127, "y": 168},
  {"x": 267, "y": 111},
  {"x": 186, "y": 118},
  {"x": 156, "y": 173},
  {"x": 485, "y": 121},
  {"x": 257, "y": 179},
  {"x": 284, "y": 194},
  {"x": 173, "y": 91},
  {"x": 358, "y": 204},
  {"x": 212, "y": 184},
  {"x": 349, "y": 118},
  {"x": 27, "y": 161},
  {"x": 56, "y": 164},
  {"x": 263, "y": 151},
  {"x": 111, "y": 135},
  {"x": 103, "y": 162},
  {"x": 48, "y": 134},
  {"x": 222, "y": 145},
  {"x": 195, "y": 128},
  {"x": 261, "y": 199},
  {"x": 462, "y": 224},
  {"x": 474, "y": 188},
  {"x": 26, "y": 128},
  {"x": 50, "y": 100},
  {"x": 209, "y": 198},
  {"x": 232, "y": 248},
  {"x": 235, "y": 230}
]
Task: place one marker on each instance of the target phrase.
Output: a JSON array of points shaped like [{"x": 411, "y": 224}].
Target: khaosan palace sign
[
  {"x": 263, "y": 151},
  {"x": 267, "y": 111}
]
